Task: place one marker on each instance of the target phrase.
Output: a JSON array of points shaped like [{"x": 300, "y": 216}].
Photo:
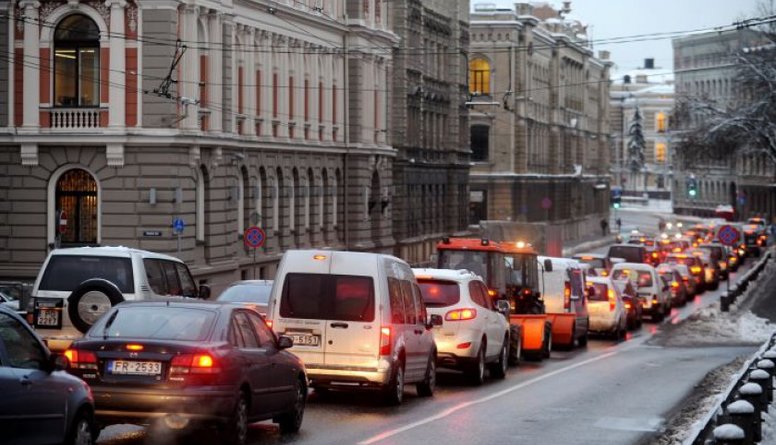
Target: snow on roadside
[{"x": 710, "y": 327}]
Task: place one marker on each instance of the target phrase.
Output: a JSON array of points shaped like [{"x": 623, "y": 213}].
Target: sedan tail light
[
  {"x": 461, "y": 314},
  {"x": 654, "y": 299},
  {"x": 612, "y": 299},
  {"x": 695, "y": 269},
  {"x": 628, "y": 305},
  {"x": 185, "y": 364},
  {"x": 80, "y": 359}
]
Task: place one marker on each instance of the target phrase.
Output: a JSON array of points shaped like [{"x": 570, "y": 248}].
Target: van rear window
[
  {"x": 328, "y": 297},
  {"x": 601, "y": 292},
  {"x": 66, "y": 272},
  {"x": 631, "y": 254},
  {"x": 440, "y": 293}
]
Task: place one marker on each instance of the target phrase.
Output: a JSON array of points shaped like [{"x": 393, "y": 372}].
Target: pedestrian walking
[
  {"x": 618, "y": 222},
  {"x": 604, "y": 226}
]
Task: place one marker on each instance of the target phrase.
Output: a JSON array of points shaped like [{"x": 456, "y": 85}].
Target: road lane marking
[{"x": 503, "y": 392}]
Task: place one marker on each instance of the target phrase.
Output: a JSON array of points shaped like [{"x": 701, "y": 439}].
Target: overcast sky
[{"x": 618, "y": 18}]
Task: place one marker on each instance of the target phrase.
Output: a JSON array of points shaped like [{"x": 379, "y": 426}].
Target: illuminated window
[
  {"x": 660, "y": 152},
  {"x": 661, "y": 122},
  {"x": 77, "y": 62},
  {"x": 479, "y": 77}
]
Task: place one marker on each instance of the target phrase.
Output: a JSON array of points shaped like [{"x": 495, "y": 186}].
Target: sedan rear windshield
[
  {"x": 631, "y": 254},
  {"x": 328, "y": 297},
  {"x": 66, "y": 272},
  {"x": 156, "y": 322},
  {"x": 641, "y": 278},
  {"x": 247, "y": 293},
  {"x": 600, "y": 292},
  {"x": 440, "y": 293}
]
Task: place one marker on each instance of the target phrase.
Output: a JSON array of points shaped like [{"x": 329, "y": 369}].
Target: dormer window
[{"x": 77, "y": 62}]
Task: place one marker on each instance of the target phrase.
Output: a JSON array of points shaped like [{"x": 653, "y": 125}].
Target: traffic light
[{"x": 692, "y": 187}]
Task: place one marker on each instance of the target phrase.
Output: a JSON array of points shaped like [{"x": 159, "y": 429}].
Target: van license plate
[
  {"x": 305, "y": 339},
  {"x": 134, "y": 368},
  {"x": 48, "y": 317}
]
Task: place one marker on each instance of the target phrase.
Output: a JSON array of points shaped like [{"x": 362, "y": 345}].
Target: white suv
[
  {"x": 474, "y": 333},
  {"x": 76, "y": 286}
]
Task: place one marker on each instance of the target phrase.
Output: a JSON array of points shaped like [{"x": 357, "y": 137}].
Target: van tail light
[
  {"x": 268, "y": 323},
  {"x": 695, "y": 269},
  {"x": 567, "y": 295},
  {"x": 654, "y": 299},
  {"x": 385, "y": 340},
  {"x": 185, "y": 364},
  {"x": 461, "y": 314},
  {"x": 492, "y": 292},
  {"x": 80, "y": 359},
  {"x": 628, "y": 305},
  {"x": 612, "y": 299}
]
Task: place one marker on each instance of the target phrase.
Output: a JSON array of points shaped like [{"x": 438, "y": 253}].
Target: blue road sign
[
  {"x": 254, "y": 237},
  {"x": 728, "y": 235},
  {"x": 178, "y": 225}
]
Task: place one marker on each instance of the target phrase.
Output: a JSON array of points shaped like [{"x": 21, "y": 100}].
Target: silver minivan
[{"x": 358, "y": 321}]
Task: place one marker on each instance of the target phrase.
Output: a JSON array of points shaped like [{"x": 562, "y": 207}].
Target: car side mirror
[
  {"x": 502, "y": 306},
  {"x": 547, "y": 265},
  {"x": 434, "y": 320},
  {"x": 285, "y": 342},
  {"x": 204, "y": 292},
  {"x": 57, "y": 362}
]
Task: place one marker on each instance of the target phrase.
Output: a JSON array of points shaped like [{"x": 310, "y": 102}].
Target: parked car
[
  {"x": 476, "y": 334},
  {"x": 252, "y": 292},
  {"x": 41, "y": 404},
  {"x": 189, "y": 364},
  {"x": 657, "y": 302},
  {"x": 608, "y": 314},
  {"x": 76, "y": 286},
  {"x": 600, "y": 264},
  {"x": 358, "y": 321},
  {"x": 673, "y": 279},
  {"x": 634, "y": 302}
]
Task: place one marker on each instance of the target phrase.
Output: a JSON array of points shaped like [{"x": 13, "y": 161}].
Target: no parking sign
[
  {"x": 728, "y": 235},
  {"x": 254, "y": 237}
]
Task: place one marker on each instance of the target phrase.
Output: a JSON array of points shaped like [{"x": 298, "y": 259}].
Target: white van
[
  {"x": 357, "y": 320},
  {"x": 565, "y": 300},
  {"x": 646, "y": 280}
]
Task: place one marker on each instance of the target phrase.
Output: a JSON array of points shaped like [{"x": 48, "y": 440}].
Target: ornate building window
[
  {"x": 479, "y": 77},
  {"x": 76, "y": 205},
  {"x": 480, "y": 142},
  {"x": 77, "y": 62}
]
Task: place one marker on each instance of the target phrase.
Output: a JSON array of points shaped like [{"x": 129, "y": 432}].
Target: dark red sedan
[{"x": 187, "y": 364}]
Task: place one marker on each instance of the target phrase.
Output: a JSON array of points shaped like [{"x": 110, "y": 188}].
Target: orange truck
[{"x": 511, "y": 271}]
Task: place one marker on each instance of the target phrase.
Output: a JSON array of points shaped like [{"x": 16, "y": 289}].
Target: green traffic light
[
  {"x": 692, "y": 192},
  {"x": 616, "y": 205}
]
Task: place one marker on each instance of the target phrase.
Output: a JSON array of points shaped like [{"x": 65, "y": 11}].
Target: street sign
[
  {"x": 155, "y": 233},
  {"x": 254, "y": 237},
  {"x": 178, "y": 225},
  {"x": 728, "y": 235}
]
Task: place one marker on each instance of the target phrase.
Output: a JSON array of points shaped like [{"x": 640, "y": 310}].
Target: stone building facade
[
  {"x": 539, "y": 120},
  {"x": 259, "y": 116},
  {"x": 705, "y": 67},
  {"x": 429, "y": 126}
]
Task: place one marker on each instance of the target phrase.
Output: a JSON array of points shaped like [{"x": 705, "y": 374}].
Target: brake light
[
  {"x": 685, "y": 278},
  {"x": 268, "y": 323},
  {"x": 385, "y": 340},
  {"x": 695, "y": 269},
  {"x": 605, "y": 273},
  {"x": 654, "y": 254},
  {"x": 492, "y": 292},
  {"x": 461, "y": 314},
  {"x": 675, "y": 284},
  {"x": 80, "y": 359},
  {"x": 566, "y": 295},
  {"x": 134, "y": 347},
  {"x": 193, "y": 364},
  {"x": 612, "y": 299},
  {"x": 628, "y": 305},
  {"x": 654, "y": 299}
]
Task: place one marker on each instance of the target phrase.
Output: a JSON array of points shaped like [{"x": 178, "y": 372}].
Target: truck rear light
[
  {"x": 268, "y": 323},
  {"x": 461, "y": 314},
  {"x": 675, "y": 284},
  {"x": 80, "y": 359},
  {"x": 193, "y": 364},
  {"x": 567, "y": 295},
  {"x": 385, "y": 340},
  {"x": 612, "y": 299}
]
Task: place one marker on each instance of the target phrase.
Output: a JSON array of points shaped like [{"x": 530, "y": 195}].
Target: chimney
[
  {"x": 566, "y": 8},
  {"x": 523, "y": 9},
  {"x": 626, "y": 79},
  {"x": 649, "y": 64},
  {"x": 604, "y": 55}
]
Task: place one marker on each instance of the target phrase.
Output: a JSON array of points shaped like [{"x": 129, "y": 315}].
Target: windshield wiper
[{"x": 108, "y": 323}]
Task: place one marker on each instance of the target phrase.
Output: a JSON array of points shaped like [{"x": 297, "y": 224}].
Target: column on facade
[
  {"x": 249, "y": 80},
  {"x": 315, "y": 82},
  {"x": 265, "y": 80},
  {"x": 31, "y": 70},
  {"x": 117, "y": 76},
  {"x": 215, "y": 72},
  {"x": 282, "y": 88},
  {"x": 190, "y": 67}
]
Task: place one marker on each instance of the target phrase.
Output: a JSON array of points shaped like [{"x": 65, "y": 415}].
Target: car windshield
[
  {"x": 247, "y": 293},
  {"x": 156, "y": 322},
  {"x": 439, "y": 293},
  {"x": 472, "y": 260},
  {"x": 67, "y": 272},
  {"x": 328, "y": 297}
]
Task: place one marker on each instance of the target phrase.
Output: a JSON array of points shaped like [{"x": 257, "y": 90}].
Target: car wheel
[
  {"x": 547, "y": 339},
  {"x": 515, "y": 345},
  {"x": 236, "y": 431},
  {"x": 90, "y": 301},
  {"x": 291, "y": 421},
  {"x": 82, "y": 432},
  {"x": 428, "y": 385},
  {"x": 476, "y": 372},
  {"x": 498, "y": 370},
  {"x": 394, "y": 393}
]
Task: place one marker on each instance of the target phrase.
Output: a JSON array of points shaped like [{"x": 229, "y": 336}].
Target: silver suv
[{"x": 76, "y": 286}]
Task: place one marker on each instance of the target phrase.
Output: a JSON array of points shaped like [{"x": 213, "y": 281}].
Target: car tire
[
  {"x": 90, "y": 300},
  {"x": 547, "y": 340},
  {"x": 515, "y": 345},
  {"x": 394, "y": 392},
  {"x": 428, "y": 385},
  {"x": 235, "y": 432},
  {"x": 291, "y": 421},
  {"x": 476, "y": 372},
  {"x": 498, "y": 369},
  {"x": 82, "y": 431}
]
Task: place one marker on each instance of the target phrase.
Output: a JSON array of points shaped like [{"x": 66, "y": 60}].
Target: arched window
[
  {"x": 77, "y": 62},
  {"x": 479, "y": 77},
  {"x": 76, "y": 204}
]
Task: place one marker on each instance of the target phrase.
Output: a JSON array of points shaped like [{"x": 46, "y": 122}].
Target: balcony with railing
[{"x": 76, "y": 119}]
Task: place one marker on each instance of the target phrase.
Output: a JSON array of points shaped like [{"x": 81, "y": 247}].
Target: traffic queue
[{"x": 126, "y": 324}]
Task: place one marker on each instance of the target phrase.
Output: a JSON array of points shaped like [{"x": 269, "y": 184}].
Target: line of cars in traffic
[{"x": 330, "y": 321}]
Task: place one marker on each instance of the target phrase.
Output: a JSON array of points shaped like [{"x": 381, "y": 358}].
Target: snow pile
[
  {"x": 769, "y": 427},
  {"x": 710, "y": 327}
]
